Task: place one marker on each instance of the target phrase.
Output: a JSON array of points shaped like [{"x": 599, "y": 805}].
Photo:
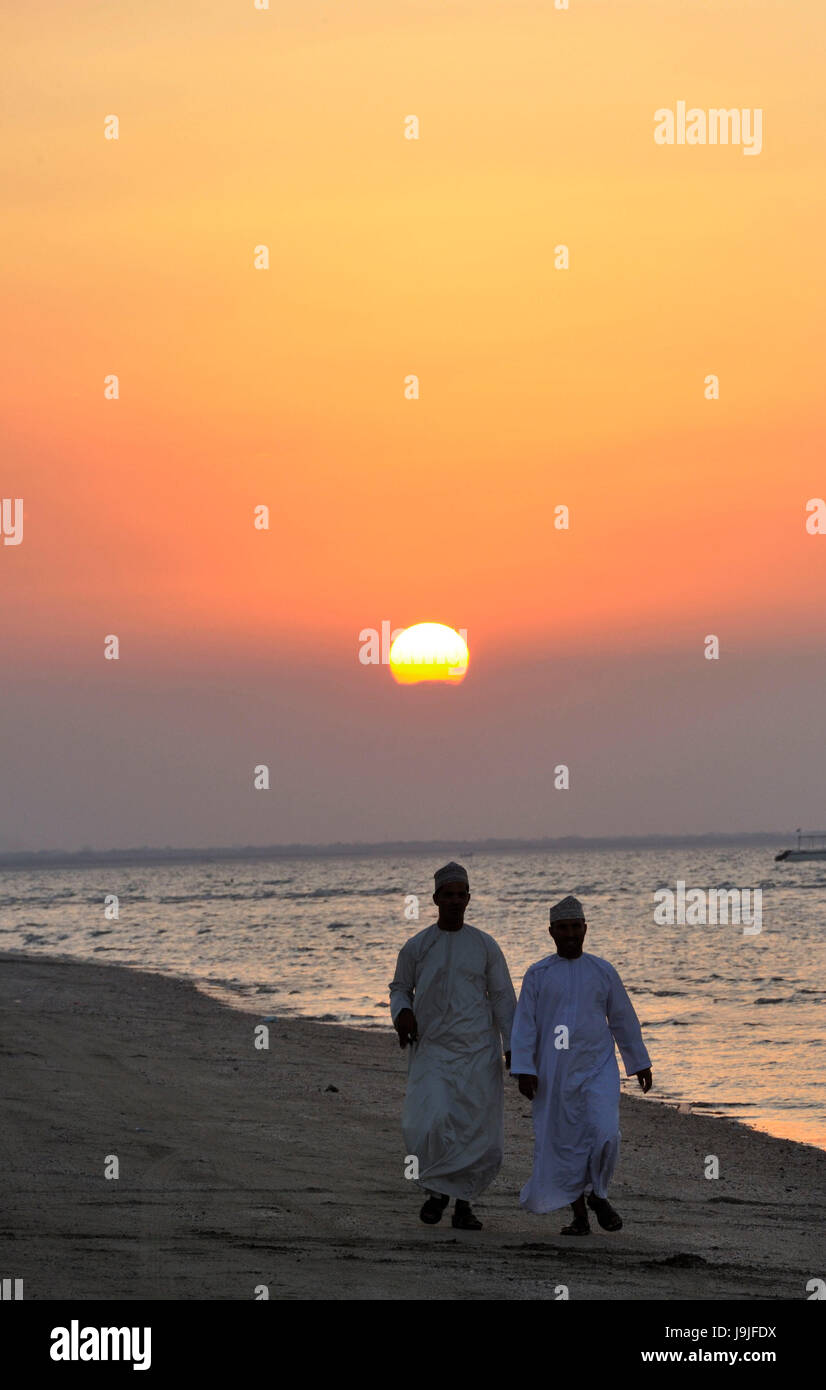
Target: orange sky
[{"x": 388, "y": 257}]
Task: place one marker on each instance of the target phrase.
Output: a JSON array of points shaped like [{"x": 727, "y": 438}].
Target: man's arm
[
  {"x": 625, "y": 1027},
  {"x": 501, "y": 995},
  {"x": 523, "y": 1039},
  {"x": 402, "y": 991}
]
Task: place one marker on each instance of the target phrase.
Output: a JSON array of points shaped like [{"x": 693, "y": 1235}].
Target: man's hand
[
  {"x": 644, "y": 1078},
  {"x": 508, "y": 1061},
  {"x": 406, "y": 1026},
  {"x": 528, "y": 1086}
]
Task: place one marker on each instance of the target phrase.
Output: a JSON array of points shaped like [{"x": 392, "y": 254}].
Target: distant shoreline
[{"x": 91, "y": 858}]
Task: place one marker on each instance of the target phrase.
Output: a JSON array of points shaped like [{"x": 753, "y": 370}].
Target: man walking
[
  {"x": 572, "y": 1009},
  {"x": 453, "y": 1119}
]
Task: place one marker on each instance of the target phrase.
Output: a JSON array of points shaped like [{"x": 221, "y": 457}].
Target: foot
[
  {"x": 463, "y": 1218},
  {"x": 580, "y": 1226},
  {"x": 608, "y": 1218},
  {"x": 431, "y": 1212}
]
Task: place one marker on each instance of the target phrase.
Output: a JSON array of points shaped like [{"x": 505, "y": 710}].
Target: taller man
[{"x": 453, "y": 1119}]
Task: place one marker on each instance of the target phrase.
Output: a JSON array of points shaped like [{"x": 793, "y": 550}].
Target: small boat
[{"x": 811, "y": 844}]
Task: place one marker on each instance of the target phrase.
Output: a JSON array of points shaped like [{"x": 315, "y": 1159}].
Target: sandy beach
[{"x": 241, "y": 1167}]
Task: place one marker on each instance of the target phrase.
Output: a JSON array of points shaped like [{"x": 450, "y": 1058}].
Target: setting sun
[{"x": 429, "y": 652}]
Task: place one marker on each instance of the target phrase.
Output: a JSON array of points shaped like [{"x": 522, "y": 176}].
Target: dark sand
[{"x": 239, "y": 1168}]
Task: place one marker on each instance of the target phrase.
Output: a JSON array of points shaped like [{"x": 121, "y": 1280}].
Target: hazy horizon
[
  {"x": 355, "y": 848},
  {"x": 653, "y": 744}
]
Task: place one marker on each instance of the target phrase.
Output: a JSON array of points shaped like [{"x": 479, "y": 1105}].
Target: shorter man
[{"x": 572, "y": 1009}]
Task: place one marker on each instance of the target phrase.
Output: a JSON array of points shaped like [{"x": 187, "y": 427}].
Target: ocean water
[{"x": 735, "y": 1023}]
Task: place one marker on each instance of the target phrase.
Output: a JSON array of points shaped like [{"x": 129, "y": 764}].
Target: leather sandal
[
  {"x": 463, "y": 1218},
  {"x": 431, "y": 1212},
  {"x": 608, "y": 1218},
  {"x": 578, "y": 1227}
]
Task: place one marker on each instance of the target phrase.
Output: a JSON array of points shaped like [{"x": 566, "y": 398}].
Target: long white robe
[
  {"x": 576, "y": 1106},
  {"x": 458, "y": 985}
]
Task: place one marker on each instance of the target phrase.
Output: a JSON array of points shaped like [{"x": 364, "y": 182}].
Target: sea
[{"x": 734, "y": 1020}]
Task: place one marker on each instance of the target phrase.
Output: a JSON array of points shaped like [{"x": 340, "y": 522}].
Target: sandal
[
  {"x": 463, "y": 1218},
  {"x": 578, "y": 1227},
  {"x": 608, "y": 1219},
  {"x": 431, "y": 1212}
]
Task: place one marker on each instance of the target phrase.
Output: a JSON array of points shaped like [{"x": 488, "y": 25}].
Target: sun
[{"x": 429, "y": 652}]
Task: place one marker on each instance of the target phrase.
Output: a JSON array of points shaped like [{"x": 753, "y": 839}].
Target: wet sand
[{"x": 241, "y": 1167}]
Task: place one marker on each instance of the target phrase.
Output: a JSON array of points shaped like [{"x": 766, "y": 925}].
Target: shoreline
[
  {"x": 240, "y": 1166},
  {"x": 233, "y": 1000}
]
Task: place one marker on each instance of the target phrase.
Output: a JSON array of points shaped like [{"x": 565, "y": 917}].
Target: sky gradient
[{"x": 285, "y": 387}]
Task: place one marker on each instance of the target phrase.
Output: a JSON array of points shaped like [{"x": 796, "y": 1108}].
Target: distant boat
[{"x": 811, "y": 844}]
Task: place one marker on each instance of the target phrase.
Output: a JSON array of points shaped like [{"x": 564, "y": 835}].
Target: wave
[
  {"x": 667, "y": 1023},
  {"x": 49, "y": 900},
  {"x": 661, "y": 993},
  {"x": 215, "y": 897},
  {"x": 320, "y": 893}
]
